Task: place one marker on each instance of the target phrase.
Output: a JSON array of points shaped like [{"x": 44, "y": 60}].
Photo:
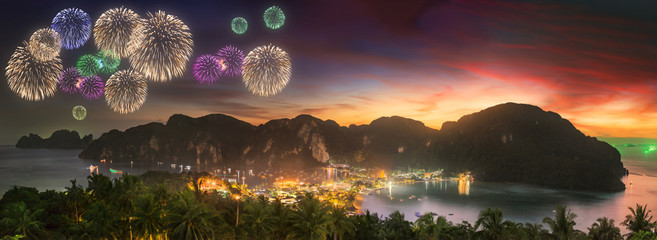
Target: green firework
[
  {"x": 274, "y": 17},
  {"x": 79, "y": 112},
  {"x": 109, "y": 62},
  {"x": 89, "y": 65},
  {"x": 239, "y": 25}
]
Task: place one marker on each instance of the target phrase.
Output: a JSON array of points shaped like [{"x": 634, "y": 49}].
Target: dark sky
[{"x": 592, "y": 61}]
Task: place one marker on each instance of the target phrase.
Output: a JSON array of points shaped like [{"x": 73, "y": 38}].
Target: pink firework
[
  {"x": 92, "y": 87},
  {"x": 208, "y": 68},
  {"x": 233, "y": 60},
  {"x": 69, "y": 81}
]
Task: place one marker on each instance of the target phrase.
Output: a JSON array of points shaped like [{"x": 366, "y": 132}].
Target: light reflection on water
[{"x": 463, "y": 200}]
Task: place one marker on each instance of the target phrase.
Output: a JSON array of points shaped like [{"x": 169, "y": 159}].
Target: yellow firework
[
  {"x": 44, "y": 44},
  {"x": 126, "y": 91},
  {"x": 162, "y": 46},
  {"x": 267, "y": 70},
  {"x": 31, "y": 78},
  {"x": 113, "y": 30}
]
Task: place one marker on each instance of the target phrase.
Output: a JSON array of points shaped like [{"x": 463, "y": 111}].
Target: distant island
[
  {"x": 506, "y": 143},
  {"x": 62, "y": 139}
]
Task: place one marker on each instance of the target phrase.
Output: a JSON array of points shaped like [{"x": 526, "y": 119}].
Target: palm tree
[
  {"x": 427, "y": 228},
  {"x": 102, "y": 222},
  {"x": 259, "y": 220},
  {"x": 283, "y": 214},
  {"x": 188, "y": 219},
  {"x": 638, "y": 220},
  {"x": 99, "y": 186},
  {"x": 310, "y": 220},
  {"x": 492, "y": 224},
  {"x": 340, "y": 223},
  {"x": 147, "y": 217},
  {"x": 532, "y": 231},
  {"x": 368, "y": 226},
  {"x": 604, "y": 229},
  {"x": 563, "y": 224},
  {"x": 20, "y": 220},
  {"x": 396, "y": 227},
  {"x": 76, "y": 200}
]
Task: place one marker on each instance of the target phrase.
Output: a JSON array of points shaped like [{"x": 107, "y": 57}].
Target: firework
[
  {"x": 109, "y": 62},
  {"x": 79, "y": 112},
  {"x": 70, "y": 80},
  {"x": 113, "y": 29},
  {"x": 125, "y": 91},
  {"x": 162, "y": 46},
  {"x": 274, "y": 17},
  {"x": 74, "y": 27},
  {"x": 239, "y": 25},
  {"x": 233, "y": 59},
  {"x": 30, "y": 78},
  {"x": 89, "y": 65},
  {"x": 208, "y": 68},
  {"x": 44, "y": 44},
  {"x": 267, "y": 70},
  {"x": 92, "y": 87}
]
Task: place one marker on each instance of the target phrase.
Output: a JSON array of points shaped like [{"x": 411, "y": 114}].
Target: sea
[{"x": 457, "y": 201}]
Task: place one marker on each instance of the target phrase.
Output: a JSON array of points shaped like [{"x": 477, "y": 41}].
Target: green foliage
[
  {"x": 563, "y": 224},
  {"x": 604, "y": 229},
  {"x": 127, "y": 208},
  {"x": 492, "y": 224},
  {"x": 638, "y": 220},
  {"x": 21, "y": 221},
  {"x": 311, "y": 219}
]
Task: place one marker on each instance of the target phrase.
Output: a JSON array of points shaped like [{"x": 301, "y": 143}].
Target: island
[
  {"x": 60, "y": 139},
  {"x": 506, "y": 143}
]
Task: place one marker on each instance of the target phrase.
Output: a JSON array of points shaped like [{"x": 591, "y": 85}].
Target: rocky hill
[
  {"x": 522, "y": 143},
  {"x": 509, "y": 143},
  {"x": 63, "y": 139}
]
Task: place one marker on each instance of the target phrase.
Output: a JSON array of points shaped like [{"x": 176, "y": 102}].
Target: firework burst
[
  {"x": 162, "y": 46},
  {"x": 74, "y": 27},
  {"x": 89, "y": 65},
  {"x": 113, "y": 29},
  {"x": 109, "y": 62},
  {"x": 70, "y": 80},
  {"x": 79, "y": 112},
  {"x": 267, "y": 70},
  {"x": 126, "y": 91},
  {"x": 44, "y": 44},
  {"x": 233, "y": 59},
  {"x": 208, "y": 68},
  {"x": 92, "y": 87},
  {"x": 274, "y": 17},
  {"x": 239, "y": 25},
  {"x": 30, "y": 78}
]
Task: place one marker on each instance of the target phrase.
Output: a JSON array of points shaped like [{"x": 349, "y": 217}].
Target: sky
[{"x": 592, "y": 61}]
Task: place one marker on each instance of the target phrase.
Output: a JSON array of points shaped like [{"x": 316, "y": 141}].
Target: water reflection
[{"x": 464, "y": 187}]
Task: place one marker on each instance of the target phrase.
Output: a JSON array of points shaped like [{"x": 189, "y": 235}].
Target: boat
[
  {"x": 114, "y": 171},
  {"x": 417, "y": 214}
]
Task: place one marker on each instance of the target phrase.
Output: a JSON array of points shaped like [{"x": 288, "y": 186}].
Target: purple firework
[
  {"x": 208, "y": 68},
  {"x": 69, "y": 81},
  {"x": 233, "y": 59},
  {"x": 92, "y": 87}
]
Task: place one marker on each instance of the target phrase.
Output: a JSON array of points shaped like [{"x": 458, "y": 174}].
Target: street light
[{"x": 237, "y": 218}]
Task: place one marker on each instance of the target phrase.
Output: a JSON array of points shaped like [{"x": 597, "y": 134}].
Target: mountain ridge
[{"x": 507, "y": 143}]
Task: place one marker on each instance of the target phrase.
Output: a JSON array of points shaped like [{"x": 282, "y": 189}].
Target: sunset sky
[{"x": 592, "y": 61}]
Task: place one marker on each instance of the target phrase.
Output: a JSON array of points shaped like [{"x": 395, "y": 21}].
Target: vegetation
[{"x": 159, "y": 205}]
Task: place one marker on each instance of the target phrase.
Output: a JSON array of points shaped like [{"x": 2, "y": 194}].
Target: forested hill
[{"x": 508, "y": 142}]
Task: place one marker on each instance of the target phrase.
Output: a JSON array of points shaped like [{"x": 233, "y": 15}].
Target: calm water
[
  {"x": 522, "y": 203},
  {"x": 53, "y": 169}
]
